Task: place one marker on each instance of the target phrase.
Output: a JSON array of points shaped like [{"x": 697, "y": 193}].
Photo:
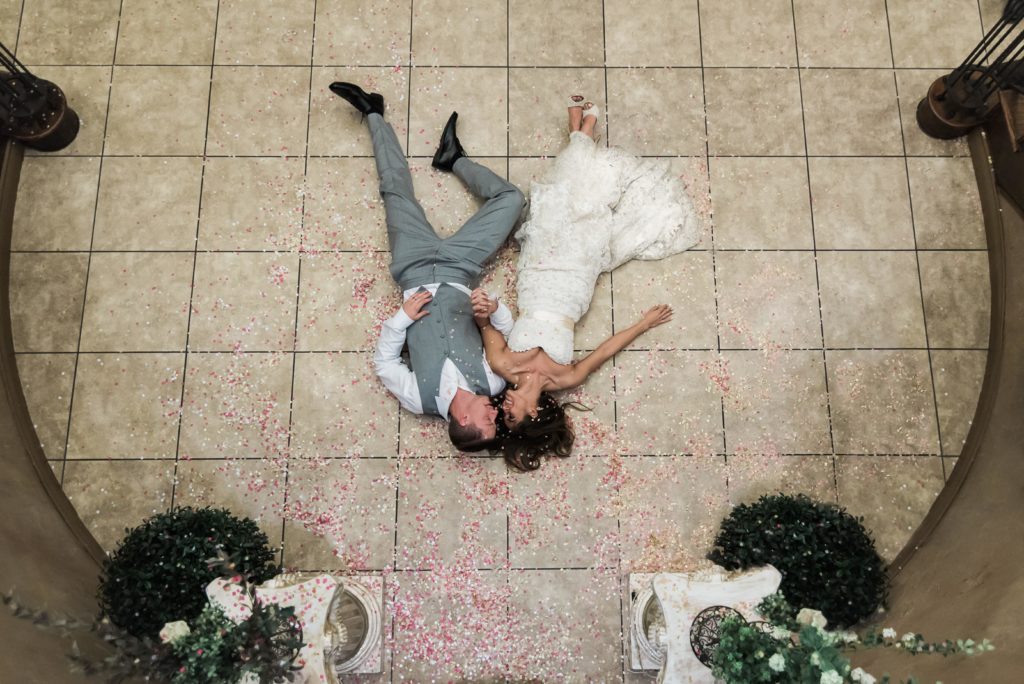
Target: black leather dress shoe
[
  {"x": 364, "y": 102},
  {"x": 450, "y": 149}
]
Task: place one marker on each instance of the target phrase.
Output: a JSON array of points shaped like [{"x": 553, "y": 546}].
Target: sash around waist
[{"x": 549, "y": 317}]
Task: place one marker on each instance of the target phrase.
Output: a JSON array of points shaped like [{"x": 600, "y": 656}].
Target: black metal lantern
[
  {"x": 705, "y": 632},
  {"x": 33, "y": 110}
]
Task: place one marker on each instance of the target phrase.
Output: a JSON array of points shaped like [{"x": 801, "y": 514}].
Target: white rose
[
  {"x": 909, "y": 638},
  {"x": 848, "y": 636},
  {"x": 888, "y": 633},
  {"x": 815, "y": 659},
  {"x": 777, "y": 662},
  {"x": 172, "y": 631},
  {"x": 831, "y": 677},
  {"x": 809, "y": 616}
]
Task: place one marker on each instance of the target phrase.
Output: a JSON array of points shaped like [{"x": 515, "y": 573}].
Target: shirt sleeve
[
  {"x": 501, "y": 319},
  {"x": 392, "y": 371}
]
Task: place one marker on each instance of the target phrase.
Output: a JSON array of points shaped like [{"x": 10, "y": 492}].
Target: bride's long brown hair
[{"x": 549, "y": 432}]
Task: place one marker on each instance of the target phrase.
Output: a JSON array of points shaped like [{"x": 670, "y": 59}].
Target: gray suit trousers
[{"x": 418, "y": 255}]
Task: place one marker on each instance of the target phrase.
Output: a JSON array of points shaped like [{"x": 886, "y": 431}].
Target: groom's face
[{"x": 482, "y": 414}]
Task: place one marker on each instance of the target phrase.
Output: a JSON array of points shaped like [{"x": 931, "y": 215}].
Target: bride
[{"x": 597, "y": 208}]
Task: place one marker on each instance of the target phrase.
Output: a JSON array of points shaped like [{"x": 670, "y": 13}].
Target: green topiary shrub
[
  {"x": 159, "y": 571},
  {"x": 827, "y": 559}
]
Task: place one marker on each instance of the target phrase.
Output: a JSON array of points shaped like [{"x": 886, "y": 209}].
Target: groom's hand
[{"x": 413, "y": 306}]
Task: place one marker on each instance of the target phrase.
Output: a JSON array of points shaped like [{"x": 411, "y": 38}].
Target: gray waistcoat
[{"x": 447, "y": 333}]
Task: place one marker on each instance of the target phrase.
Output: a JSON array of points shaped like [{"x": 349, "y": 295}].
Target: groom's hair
[{"x": 467, "y": 437}]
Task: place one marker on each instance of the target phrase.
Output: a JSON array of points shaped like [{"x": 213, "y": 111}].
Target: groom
[{"x": 449, "y": 375}]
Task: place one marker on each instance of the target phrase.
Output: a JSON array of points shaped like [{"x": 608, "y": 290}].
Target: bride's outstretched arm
[{"x": 652, "y": 318}]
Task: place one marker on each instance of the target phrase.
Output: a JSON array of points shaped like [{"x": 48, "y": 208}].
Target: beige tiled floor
[{"x": 198, "y": 279}]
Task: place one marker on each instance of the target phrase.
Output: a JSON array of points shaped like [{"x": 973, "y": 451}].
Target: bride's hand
[
  {"x": 483, "y": 305},
  {"x": 655, "y": 316}
]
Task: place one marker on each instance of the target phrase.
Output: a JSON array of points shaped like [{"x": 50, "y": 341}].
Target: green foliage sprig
[
  {"x": 159, "y": 571},
  {"x": 826, "y": 557},
  {"x": 803, "y": 652}
]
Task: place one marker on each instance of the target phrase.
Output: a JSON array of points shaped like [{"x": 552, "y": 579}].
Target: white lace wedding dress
[{"x": 597, "y": 208}]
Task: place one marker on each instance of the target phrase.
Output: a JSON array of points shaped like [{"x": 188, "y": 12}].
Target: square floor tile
[
  {"x": 341, "y": 408},
  {"x": 343, "y": 207},
  {"x": 158, "y": 110},
  {"x": 565, "y": 621},
  {"x": 336, "y": 128},
  {"x": 538, "y": 35},
  {"x": 454, "y": 626},
  {"x": 452, "y": 512},
  {"x": 538, "y": 120},
  {"x": 735, "y": 34},
  {"x": 882, "y": 402},
  {"x": 740, "y": 190},
  {"x": 777, "y": 402},
  {"x": 340, "y": 513},
  {"x": 913, "y": 85},
  {"x": 447, "y": 202},
  {"x": 259, "y": 111},
  {"x": 57, "y": 32},
  {"x": 637, "y": 102},
  {"x": 891, "y": 493},
  {"x": 371, "y": 32},
  {"x": 478, "y": 95},
  {"x": 46, "y": 380},
  {"x": 668, "y": 402},
  {"x": 559, "y": 516},
  {"x": 274, "y": 32},
  {"x": 166, "y": 31},
  {"x": 870, "y": 299},
  {"x": 753, "y": 475},
  {"x": 925, "y": 33},
  {"x": 57, "y": 213},
  {"x": 46, "y": 301},
  {"x": 87, "y": 90},
  {"x": 244, "y": 302},
  {"x": 236, "y": 406},
  {"x": 252, "y": 203},
  {"x": 958, "y": 378},
  {"x": 947, "y": 210},
  {"x": 669, "y": 510},
  {"x": 422, "y": 436},
  {"x": 343, "y": 299},
  {"x": 111, "y": 496},
  {"x": 454, "y": 33},
  {"x": 767, "y": 300},
  {"x": 137, "y": 302},
  {"x": 861, "y": 203},
  {"x": 133, "y": 212},
  {"x": 957, "y": 298},
  {"x": 10, "y": 18},
  {"x": 686, "y": 282},
  {"x": 754, "y": 111},
  {"x": 251, "y": 488},
  {"x": 851, "y": 112},
  {"x": 834, "y": 34},
  {"x": 594, "y": 425},
  {"x": 644, "y": 33},
  {"x": 126, "y": 406}
]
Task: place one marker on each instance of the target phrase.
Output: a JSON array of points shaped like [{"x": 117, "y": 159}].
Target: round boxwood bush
[
  {"x": 159, "y": 571},
  {"x": 827, "y": 559}
]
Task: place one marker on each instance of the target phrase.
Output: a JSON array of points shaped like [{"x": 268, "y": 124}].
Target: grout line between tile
[
  {"x": 88, "y": 266},
  {"x": 917, "y": 255},
  {"x": 814, "y": 238}
]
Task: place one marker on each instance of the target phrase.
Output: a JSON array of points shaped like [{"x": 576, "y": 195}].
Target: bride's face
[{"x": 517, "y": 407}]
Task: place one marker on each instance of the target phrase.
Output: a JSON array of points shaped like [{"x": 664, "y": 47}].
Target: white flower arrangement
[
  {"x": 172, "y": 631},
  {"x": 777, "y": 662}
]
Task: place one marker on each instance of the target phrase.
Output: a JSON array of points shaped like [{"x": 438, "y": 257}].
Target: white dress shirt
[{"x": 400, "y": 379}]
